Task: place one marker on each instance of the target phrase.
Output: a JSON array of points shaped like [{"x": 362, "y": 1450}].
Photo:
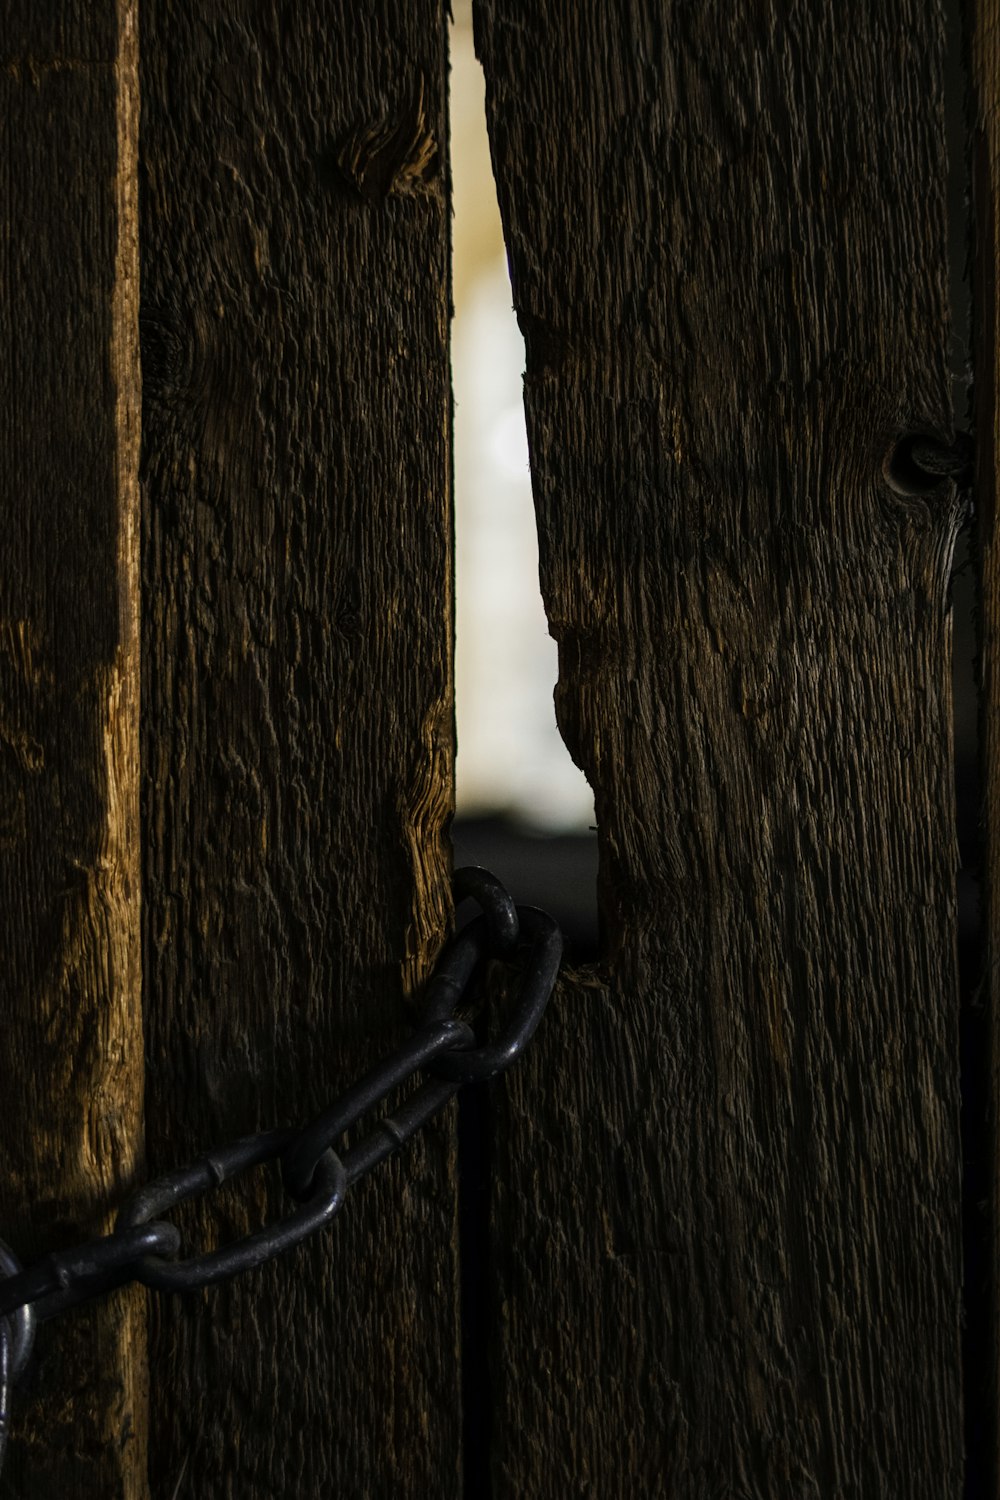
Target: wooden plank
[
  {"x": 297, "y": 719},
  {"x": 985, "y": 93},
  {"x": 727, "y": 1196},
  {"x": 70, "y": 972}
]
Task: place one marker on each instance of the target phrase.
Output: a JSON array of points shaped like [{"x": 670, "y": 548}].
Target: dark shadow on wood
[{"x": 474, "y": 1174}]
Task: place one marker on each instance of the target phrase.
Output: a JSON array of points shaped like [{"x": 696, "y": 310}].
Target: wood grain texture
[
  {"x": 297, "y": 715},
  {"x": 727, "y": 1197},
  {"x": 984, "y": 19},
  {"x": 70, "y": 960}
]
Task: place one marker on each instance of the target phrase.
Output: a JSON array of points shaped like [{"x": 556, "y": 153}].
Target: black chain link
[
  {"x": 17, "y": 1336},
  {"x": 144, "y": 1247}
]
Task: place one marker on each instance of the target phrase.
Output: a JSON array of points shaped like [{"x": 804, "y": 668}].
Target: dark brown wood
[
  {"x": 71, "y": 1061},
  {"x": 985, "y": 31},
  {"x": 297, "y": 714},
  {"x": 727, "y": 1201}
]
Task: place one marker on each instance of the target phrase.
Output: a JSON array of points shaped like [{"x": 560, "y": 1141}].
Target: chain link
[{"x": 144, "y": 1247}]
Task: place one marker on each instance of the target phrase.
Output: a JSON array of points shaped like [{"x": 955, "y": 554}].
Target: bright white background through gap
[{"x": 511, "y": 758}]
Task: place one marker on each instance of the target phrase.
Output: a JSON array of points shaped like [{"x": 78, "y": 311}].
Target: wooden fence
[{"x": 726, "y": 1208}]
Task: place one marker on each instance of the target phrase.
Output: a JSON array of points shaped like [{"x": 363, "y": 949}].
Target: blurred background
[{"x": 524, "y": 809}]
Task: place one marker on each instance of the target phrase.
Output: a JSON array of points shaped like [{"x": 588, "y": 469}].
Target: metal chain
[{"x": 145, "y": 1248}]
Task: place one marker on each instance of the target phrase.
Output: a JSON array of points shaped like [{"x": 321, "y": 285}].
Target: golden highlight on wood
[{"x": 70, "y": 977}]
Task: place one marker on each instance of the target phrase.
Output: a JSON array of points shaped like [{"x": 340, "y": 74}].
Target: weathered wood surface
[
  {"x": 297, "y": 716},
  {"x": 727, "y": 1185},
  {"x": 985, "y": 52},
  {"x": 71, "y": 1061}
]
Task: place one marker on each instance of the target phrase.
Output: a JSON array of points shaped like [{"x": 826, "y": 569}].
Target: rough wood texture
[
  {"x": 297, "y": 717},
  {"x": 985, "y": 30},
  {"x": 727, "y": 1200},
  {"x": 71, "y": 1060}
]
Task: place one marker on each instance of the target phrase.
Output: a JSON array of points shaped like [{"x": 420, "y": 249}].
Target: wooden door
[{"x": 726, "y": 1183}]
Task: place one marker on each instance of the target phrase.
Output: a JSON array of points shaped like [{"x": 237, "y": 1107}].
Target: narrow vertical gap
[
  {"x": 517, "y": 787},
  {"x": 973, "y": 1029},
  {"x": 524, "y": 810},
  {"x": 474, "y": 1172},
  {"x": 973, "y": 1041}
]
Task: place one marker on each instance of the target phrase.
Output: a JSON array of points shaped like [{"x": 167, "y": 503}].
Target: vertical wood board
[
  {"x": 297, "y": 715},
  {"x": 727, "y": 1199},
  {"x": 71, "y": 1064},
  {"x": 985, "y": 35}
]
